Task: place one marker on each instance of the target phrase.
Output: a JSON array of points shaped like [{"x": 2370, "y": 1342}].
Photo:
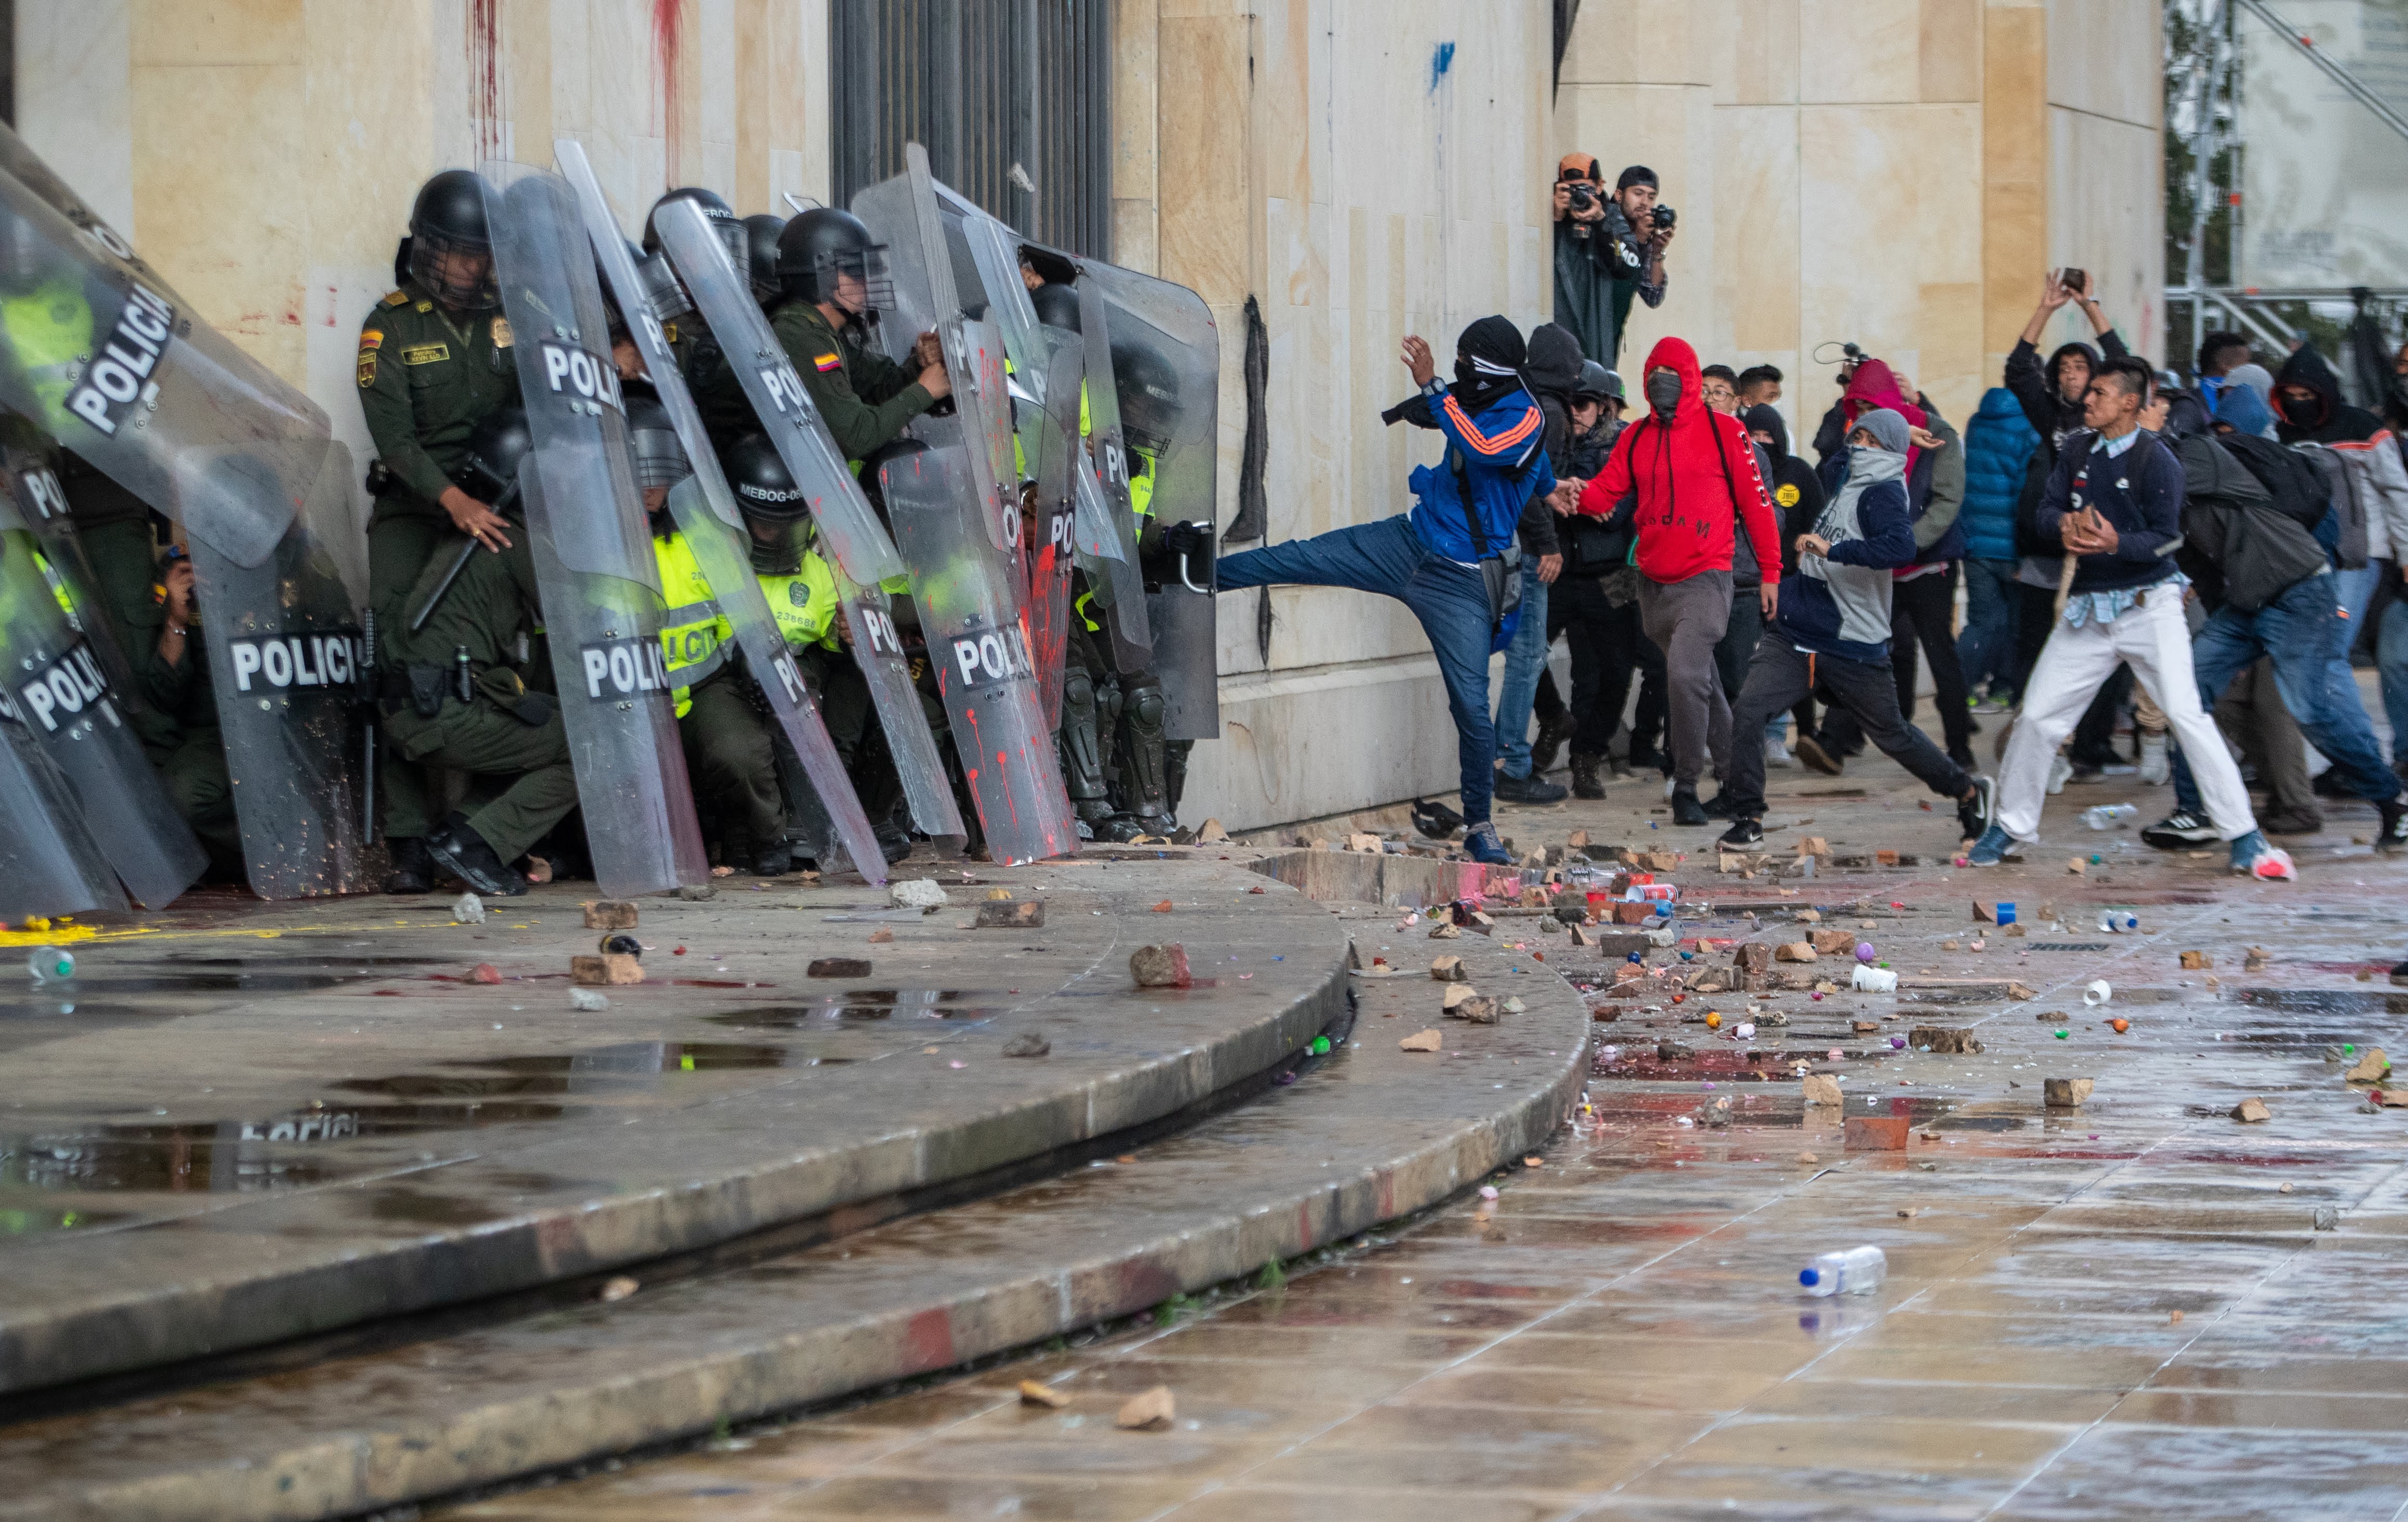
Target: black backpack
[{"x": 2298, "y": 489}]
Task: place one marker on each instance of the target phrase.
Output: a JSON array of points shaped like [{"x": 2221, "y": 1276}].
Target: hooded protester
[
  {"x": 1797, "y": 499},
  {"x": 2248, "y": 518},
  {"x": 1431, "y": 559},
  {"x": 2242, "y": 408},
  {"x": 2115, "y": 501},
  {"x": 2309, "y": 405},
  {"x": 1608, "y": 647},
  {"x": 1872, "y": 384},
  {"x": 1691, "y": 476},
  {"x": 1833, "y": 630},
  {"x": 1998, "y": 444},
  {"x": 1553, "y": 369}
]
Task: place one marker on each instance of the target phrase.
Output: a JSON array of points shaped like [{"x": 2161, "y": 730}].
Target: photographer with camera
[{"x": 1608, "y": 249}]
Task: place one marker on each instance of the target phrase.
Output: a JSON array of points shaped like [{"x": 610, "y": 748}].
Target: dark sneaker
[
  {"x": 894, "y": 841},
  {"x": 463, "y": 852},
  {"x": 1551, "y": 734},
  {"x": 777, "y": 863},
  {"x": 2394, "y": 834},
  {"x": 1809, "y": 751},
  {"x": 2181, "y": 830},
  {"x": 1716, "y": 807},
  {"x": 1974, "y": 814},
  {"x": 2292, "y": 821},
  {"x": 1436, "y": 820},
  {"x": 2399, "y": 975},
  {"x": 1742, "y": 834},
  {"x": 1588, "y": 779},
  {"x": 413, "y": 870},
  {"x": 1995, "y": 846},
  {"x": 1481, "y": 842},
  {"x": 1686, "y": 806},
  {"x": 1531, "y": 789}
]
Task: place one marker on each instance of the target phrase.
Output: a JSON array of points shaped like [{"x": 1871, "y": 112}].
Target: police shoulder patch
[
  {"x": 370, "y": 338},
  {"x": 1786, "y": 495},
  {"x": 669, "y": 332},
  {"x": 825, "y": 363},
  {"x": 396, "y": 298},
  {"x": 367, "y": 369}
]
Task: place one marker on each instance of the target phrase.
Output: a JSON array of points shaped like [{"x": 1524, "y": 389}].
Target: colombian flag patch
[
  {"x": 825, "y": 363},
  {"x": 370, "y": 338}
]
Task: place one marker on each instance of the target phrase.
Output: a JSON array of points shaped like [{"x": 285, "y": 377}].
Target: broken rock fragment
[
  {"x": 1024, "y": 915},
  {"x": 1449, "y": 969},
  {"x": 1422, "y": 1041},
  {"x": 1148, "y": 1412},
  {"x": 2065, "y": 1093},
  {"x": 1034, "y": 1394},
  {"x": 1161, "y": 967},
  {"x": 1944, "y": 1038},
  {"x": 2251, "y": 1110}
]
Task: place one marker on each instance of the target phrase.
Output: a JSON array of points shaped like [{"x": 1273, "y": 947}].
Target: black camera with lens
[
  {"x": 1582, "y": 197},
  {"x": 1665, "y": 217}
]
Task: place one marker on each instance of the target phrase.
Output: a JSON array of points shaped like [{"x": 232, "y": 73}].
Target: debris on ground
[
  {"x": 2197, "y": 961},
  {"x": 609, "y": 970},
  {"x": 838, "y": 967},
  {"x": 1422, "y": 1041},
  {"x": 1034, "y": 1394},
  {"x": 1944, "y": 1038},
  {"x": 617, "y": 1287},
  {"x": 1822, "y": 1088},
  {"x": 608, "y": 914},
  {"x": 1148, "y": 1412},
  {"x": 1161, "y": 967},
  {"x": 1028, "y": 1044},
  {"x": 1005, "y": 914},
  {"x": 485, "y": 972},
  {"x": 1876, "y": 1133},
  {"x": 2371, "y": 1067},
  {"x": 1462, "y": 1003},
  {"x": 1795, "y": 950},
  {"x": 2251, "y": 1110},
  {"x": 921, "y": 893},
  {"x": 1450, "y": 969},
  {"x": 2066, "y": 1092},
  {"x": 587, "y": 999},
  {"x": 880, "y": 936},
  {"x": 468, "y": 909},
  {"x": 2256, "y": 959},
  {"x": 1161, "y": 908}
]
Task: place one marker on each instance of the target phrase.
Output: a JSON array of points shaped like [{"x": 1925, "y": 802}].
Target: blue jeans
[
  {"x": 1987, "y": 650},
  {"x": 1451, "y": 602},
  {"x": 1524, "y": 658},
  {"x": 2355, "y": 591},
  {"x": 2305, "y": 633},
  {"x": 2391, "y": 656}
]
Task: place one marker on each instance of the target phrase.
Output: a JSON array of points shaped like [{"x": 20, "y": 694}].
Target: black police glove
[{"x": 1192, "y": 541}]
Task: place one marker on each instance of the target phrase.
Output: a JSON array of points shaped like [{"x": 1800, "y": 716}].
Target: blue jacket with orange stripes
[{"x": 1502, "y": 451}]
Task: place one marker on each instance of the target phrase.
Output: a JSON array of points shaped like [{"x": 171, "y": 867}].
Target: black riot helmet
[
  {"x": 661, "y": 287},
  {"x": 451, "y": 252},
  {"x": 496, "y": 450},
  {"x": 660, "y": 454},
  {"x": 1149, "y": 397},
  {"x": 1057, "y": 306},
  {"x": 715, "y": 210},
  {"x": 1598, "y": 383},
  {"x": 764, "y": 490},
  {"x": 761, "y": 232},
  {"x": 823, "y": 244}
]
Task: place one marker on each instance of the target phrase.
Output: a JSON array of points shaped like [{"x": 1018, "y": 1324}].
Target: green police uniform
[
  {"x": 864, "y": 397},
  {"x": 427, "y": 377},
  {"x": 730, "y": 746},
  {"x": 504, "y": 731}
]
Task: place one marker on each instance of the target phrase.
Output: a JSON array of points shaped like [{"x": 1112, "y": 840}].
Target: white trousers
[{"x": 2155, "y": 639}]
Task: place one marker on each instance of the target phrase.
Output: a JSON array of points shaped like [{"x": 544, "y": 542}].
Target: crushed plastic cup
[
  {"x": 1869, "y": 979},
  {"x": 2107, "y": 816},
  {"x": 1746, "y": 1030},
  {"x": 2119, "y": 922},
  {"x": 468, "y": 909},
  {"x": 1859, "y": 1271},
  {"x": 2098, "y": 993},
  {"x": 50, "y": 964}
]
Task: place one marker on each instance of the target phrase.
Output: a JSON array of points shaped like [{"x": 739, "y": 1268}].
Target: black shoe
[
  {"x": 893, "y": 842},
  {"x": 463, "y": 852},
  {"x": 2292, "y": 821},
  {"x": 1717, "y": 807},
  {"x": 1686, "y": 810},
  {"x": 1436, "y": 821},
  {"x": 777, "y": 863},
  {"x": 1742, "y": 834},
  {"x": 1644, "y": 758},
  {"x": 1809, "y": 751},
  {"x": 2399, "y": 975},
  {"x": 1551, "y": 734},
  {"x": 2329, "y": 784},
  {"x": 1531, "y": 789},
  {"x": 1588, "y": 780},
  {"x": 1974, "y": 814},
  {"x": 2394, "y": 834},
  {"x": 412, "y": 871},
  {"x": 2179, "y": 831}
]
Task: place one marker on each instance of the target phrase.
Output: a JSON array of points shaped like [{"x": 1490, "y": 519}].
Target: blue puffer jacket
[{"x": 1999, "y": 443}]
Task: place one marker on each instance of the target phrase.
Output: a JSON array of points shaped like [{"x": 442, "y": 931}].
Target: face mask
[
  {"x": 1663, "y": 392},
  {"x": 2301, "y": 413},
  {"x": 1466, "y": 373}
]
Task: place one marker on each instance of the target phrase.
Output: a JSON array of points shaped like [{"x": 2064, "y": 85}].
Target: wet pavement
[{"x": 2139, "y": 1307}]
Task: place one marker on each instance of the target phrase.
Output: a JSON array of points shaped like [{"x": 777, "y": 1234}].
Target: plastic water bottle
[
  {"x": 2106, "y": 815},
  {"x": 1859, "y": 1271},
  {"x": 49, "y": 964}
]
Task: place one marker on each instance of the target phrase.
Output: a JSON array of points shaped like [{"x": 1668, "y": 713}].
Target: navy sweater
[{"x": 2139, "y": 492}]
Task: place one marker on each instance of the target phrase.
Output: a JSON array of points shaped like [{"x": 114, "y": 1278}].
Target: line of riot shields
[{"x": 999, "y": 558}]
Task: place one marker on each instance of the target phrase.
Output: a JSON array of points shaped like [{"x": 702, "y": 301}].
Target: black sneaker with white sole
[
  {"x": 2180, "y": 830},
  {"x": 2394, "y": 834},
  {"x": 1974, "y": 814},
  {"x": 1742, "y": 834}
]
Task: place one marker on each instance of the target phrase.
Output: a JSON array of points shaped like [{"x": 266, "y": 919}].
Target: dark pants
[
  {"x": 1738, "y": 647},
  {"x": 1594, "y": 630},
  {"x": 1450, "y": 600},
  {"x": 1920, "y": 612},
  {"x": 1687, "y": 620},
  {"x": 529, "y": 760},
  {"x": 1782, "y": 673},
  {"x": 400, "y": 545},
  {"x": 731, "y": 758}
]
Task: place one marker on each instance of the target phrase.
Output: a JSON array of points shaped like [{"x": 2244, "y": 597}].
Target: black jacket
[
  {"x": 2338, "y": 422},
  {"x": 2139, "y": 492},
  {"x": 2051, "y": 415},
  {"x": 2243, "y": 544}
]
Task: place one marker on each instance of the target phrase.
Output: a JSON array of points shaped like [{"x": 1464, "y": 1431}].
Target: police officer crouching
[
  {"x": 451, "y": 688},
  {"x": 435, "y": 362},
  {"x": 833, "y": 277},
  {"x": 801, "y": 592}
]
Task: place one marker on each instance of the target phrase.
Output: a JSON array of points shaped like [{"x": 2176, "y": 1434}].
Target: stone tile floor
[{"x": 2128, "y": 1310}]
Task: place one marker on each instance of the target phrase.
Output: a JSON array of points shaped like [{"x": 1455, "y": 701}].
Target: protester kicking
[
  {"x": 1833, "y": 628},
  {"x": 2115, "y": 500}
]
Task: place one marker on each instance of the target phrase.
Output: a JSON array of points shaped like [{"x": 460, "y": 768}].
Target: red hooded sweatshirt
[
  {"x": 1873, "y": 387},
  {"x": 1687, "y": 475}
]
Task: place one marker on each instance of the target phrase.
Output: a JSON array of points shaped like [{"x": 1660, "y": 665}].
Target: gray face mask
[{"x": 1663, "y": 392}]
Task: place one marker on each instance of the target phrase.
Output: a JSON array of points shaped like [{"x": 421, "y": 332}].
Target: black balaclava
[
  {"x": 1664, "y": 392},
  {"x": 1488, "y": 360},
  {"x": 1766, "y": 417}
]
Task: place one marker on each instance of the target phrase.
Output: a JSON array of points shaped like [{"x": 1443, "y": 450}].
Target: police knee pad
[{"x": 1145, "y": 704}]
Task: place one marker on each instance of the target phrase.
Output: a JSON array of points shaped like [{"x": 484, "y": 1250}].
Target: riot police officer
[
  {"x": 762, "y": 231},
  {"x": 435, "y": 362},
  {"x": 831, "y": 276},
  {"x": 800, "y": 589},
  {"x": 1091, "y": 693},
  {"x": 699, "y": 357},
  {"x": 453, "y": 693}
]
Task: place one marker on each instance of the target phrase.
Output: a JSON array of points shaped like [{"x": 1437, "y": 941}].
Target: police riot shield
[
  {"x": 858, "y": 547},
  {"x": 50, "y": 864},
  {"x": 1121, "y": 590},
  {"x": 706, "y": 512},
  {"x": 112, "y": 362},
  {"x": 1051, "y": 541},
  {"x": 960, "y": 534},
  {"x": 594, "y": 560},
  {"x": 1165, "y": 366},
  {"x": 52, "y": 650}
]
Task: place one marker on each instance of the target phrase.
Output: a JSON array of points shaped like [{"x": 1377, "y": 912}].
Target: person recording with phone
[{"x": 1608, "y": 249}]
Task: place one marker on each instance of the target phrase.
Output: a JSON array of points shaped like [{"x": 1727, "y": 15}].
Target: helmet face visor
[
  {"x": 661, "y": 284},
  {"x": 660, "y": 459},
  {"x": 843, "y": 271},
  {"x": 777, "y": 542},
  {"x": 454, "y": 271}
]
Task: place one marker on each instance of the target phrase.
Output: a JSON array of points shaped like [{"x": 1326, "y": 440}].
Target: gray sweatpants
[{"x": 1687, "y": 620}]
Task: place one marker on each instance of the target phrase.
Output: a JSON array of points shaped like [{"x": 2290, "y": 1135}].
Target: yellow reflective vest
[
  {"x": 804, "y": 603},
  {"x": 693, "y": 633}
]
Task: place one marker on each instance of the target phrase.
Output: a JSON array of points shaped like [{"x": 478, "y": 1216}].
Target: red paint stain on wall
[
  {"x": 485, "y": 76},
  {"x": 665, "y": 57}
]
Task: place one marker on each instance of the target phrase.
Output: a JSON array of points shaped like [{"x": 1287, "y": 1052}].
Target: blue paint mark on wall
[{"x": 1440, "y": 61}]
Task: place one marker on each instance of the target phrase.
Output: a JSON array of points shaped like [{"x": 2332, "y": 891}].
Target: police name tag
[
  {"x": 55, "y": 694},
  {"x": 121, "y": 372},
  {"x": 586, "y": 378},
  {"x": 617, "y": 671}
]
